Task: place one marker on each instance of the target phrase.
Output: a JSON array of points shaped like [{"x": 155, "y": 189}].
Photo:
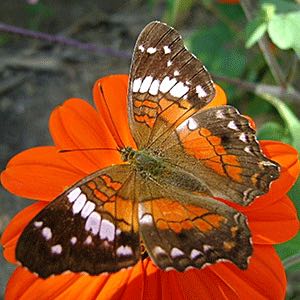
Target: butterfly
[{"x": 165, "y": 195}]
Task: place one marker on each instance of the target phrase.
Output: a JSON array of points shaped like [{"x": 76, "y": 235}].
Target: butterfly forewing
[
  {"x": 90, "y": 228},
  {"x": 167, "y": 84}
]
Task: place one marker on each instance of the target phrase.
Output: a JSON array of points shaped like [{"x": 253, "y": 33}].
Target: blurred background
[{"x": 53, "y": 50}]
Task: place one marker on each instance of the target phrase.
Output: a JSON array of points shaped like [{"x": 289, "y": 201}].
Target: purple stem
[{"x": 63, "y": 40}]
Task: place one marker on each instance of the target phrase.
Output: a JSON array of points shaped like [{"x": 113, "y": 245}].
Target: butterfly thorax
[{"x": 143, "y": 161}]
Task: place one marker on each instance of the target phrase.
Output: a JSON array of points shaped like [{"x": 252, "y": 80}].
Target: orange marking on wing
[
  {"x": 205, "y": 132},
  {"x": 228, "y": 245},
  {"x": 216, "y": 159},
  {"x": 145, "y": 119},
  {"x": 234, "y": 173},
  {"x": 220, "y": 150},
  {"x": 187, "y": 224},
  {"x": 172, "y": 111},
  {"x": 230, "y": 159},
  {"x": 175, "y": 227},
  {"x": 254, "y": 178},
  {"x": 215, "y": 140},
  {"x": 99, "y": 195},
  {"x": 202, "y": 225},
  {"x": 147, "y": 103},
  {"x": 197, "y": 145},
  {"x": 217, "y": 167},
  {"x": 110, "y": 183},
  {"x": 234, "y": 230},
  {"x": 215, "y": 220},
  {"x": 91, "y": 185},
  {"x": 196, "y": 210},
  {"x": 161, "y": 224}
]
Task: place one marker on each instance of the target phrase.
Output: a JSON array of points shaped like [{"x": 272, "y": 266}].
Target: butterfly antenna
[{"x": 88, "y": 149}]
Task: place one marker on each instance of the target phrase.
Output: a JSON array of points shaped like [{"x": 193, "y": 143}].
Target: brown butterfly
[{"x": 163, "y": 194}]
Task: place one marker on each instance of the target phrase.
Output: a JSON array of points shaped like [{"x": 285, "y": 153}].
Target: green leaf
[
  {"x": 273, "y": 131},
  {"x": 284, "y": 31},
  {"x": 217, "y": 47},
  {"x": 254, "y": 31},
  {"x": 292, "y": 122},
  {"x": 281, "y": 6},
  {"x": 289, "y": 248}
]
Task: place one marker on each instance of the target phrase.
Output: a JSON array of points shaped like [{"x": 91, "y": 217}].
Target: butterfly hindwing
[
  {"x": 183, "y": 230},
  {"x": 91, "y": 228},
  {"x": 167, "y": 83}
]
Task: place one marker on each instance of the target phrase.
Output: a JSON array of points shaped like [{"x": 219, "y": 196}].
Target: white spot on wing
[
  {"x": 78, "y": 204},
  {"x": 175, "y": 252},
  {"x": 146, "y": 84},
  {"x": 248, "y": 150},
  {"x": 232, "y": 125},
  {"x": 107, "y": 230},
  {"x": 56, "y": 249},
  {"x": 136, "y": 85},
  {"x": 192, "y": 124},
  {"x": 176, "y": 73},
  {"x": 195, "y": 253},
  {"x": 141, "y": 48},
  {"x": 151, "y": 50},
  {"x": 169, "y": 63},
  {"x": 88, "y": 209},
  {"x": 167, "y": 50},
  {"x": 200, "y": 91},
  {"x": 267, "y": 163},
  {"x": 88, "y": 240},
  {"x": 73, "y": 240},
  {"x": 220, "y": 115},
  {"x": 158, "y": 250},
  {"x": 124, "y": 251},
  {"x": 167, "y": 84},
  {"x": 183, "y": 125},
  {"x": 146, "y": 219},
  {"x": 38, "y": 224},
  {"x": 243, "y": 137},
  {"x": 206, "y": 248},
  {"x": 154, "y": 87},
  {"x": 73, "y": 195},
  {"x": 93, "y": 222},
  {"x": 179, "y": 90},
  {"x": 47, "y": 233}
]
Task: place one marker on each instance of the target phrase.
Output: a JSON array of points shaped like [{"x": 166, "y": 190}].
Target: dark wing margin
[
  {"x": 90, "y": 228},
  {"x": 167, "y": 83}
]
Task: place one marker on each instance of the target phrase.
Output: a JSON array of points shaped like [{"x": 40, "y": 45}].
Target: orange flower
[{"x": 42, "y": 174}]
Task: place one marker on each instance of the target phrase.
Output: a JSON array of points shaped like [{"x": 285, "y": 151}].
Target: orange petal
[
  {"x": 264, "y": 279},
  {"x": 219, "y": 99},
  {"x": 126, "y": 284},
  {"x": 12, "y": 232},
  {"x": 272, "y": 224},
  {"x": 287, "y": 157},
  {"x": 76, "y": 125},
  {"x": 110, "y": 96},
  {"x": 39, "y": 173},
  {"x": 193, "y": 284}
]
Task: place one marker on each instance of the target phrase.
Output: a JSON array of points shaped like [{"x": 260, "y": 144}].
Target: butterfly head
[{"x": 127, "y": 153}]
